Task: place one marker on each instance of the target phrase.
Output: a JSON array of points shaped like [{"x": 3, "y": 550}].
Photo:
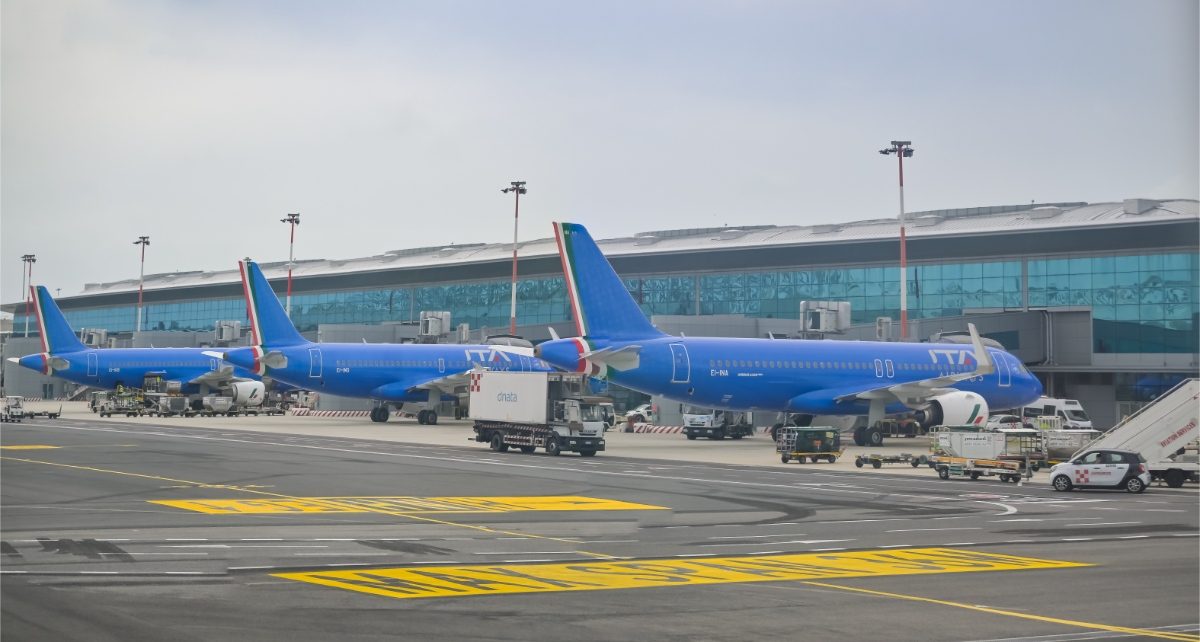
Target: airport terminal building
[{"x": 1101, "y": 300}]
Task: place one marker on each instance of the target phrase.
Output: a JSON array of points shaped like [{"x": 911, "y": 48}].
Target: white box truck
[
  {"x": 715, "y": 423},
  {"x": 530, "y": 410}
]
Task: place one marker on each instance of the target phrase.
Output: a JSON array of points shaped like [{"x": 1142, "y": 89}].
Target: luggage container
[{"x": 814, "y": 443}]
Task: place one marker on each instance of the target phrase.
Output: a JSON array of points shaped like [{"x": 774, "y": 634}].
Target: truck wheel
[
  {"x": 858, "y": 462},
  {"x": 832, "y": 459},
  {"x": 1174, "y": 478},
  {"x": 784, "y": 458},
  {"x": 1135, "y": 485},
  {"x": 1035, "y": 466},
  {"x": 944, "y": 472},
  {"x": 1062, "y": 483},
  {"x": 875, "y": 437},
  {"x": 738, "y": 435},
  {"x": 552, "y": 447},
  {"x": 431, "y": 417},
  {"x": 691, "y": 436},
  {"x": 527, "y": 449},
  {"x": 720, "y": 434},
  {"x": 915, "y": 462},
  {"x": 587, "y": 453},
  {"x": 974, "y": 476},
  {"x": 498, "y": 444},
  {"x": 876, "y": 464}
]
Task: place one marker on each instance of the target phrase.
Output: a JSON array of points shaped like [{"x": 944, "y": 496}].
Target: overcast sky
[{"x": 395, "y": 124}]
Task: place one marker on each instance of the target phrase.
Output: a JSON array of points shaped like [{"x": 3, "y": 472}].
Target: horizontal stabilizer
[{"x": 625, "y": 358}]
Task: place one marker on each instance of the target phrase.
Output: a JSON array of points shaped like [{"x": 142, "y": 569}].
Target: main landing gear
[
  {"x": 380, "y": 414},
  {"x": 427, "y": 417}
]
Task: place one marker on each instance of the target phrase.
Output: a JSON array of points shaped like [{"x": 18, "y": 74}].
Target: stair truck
[
  {"x": 715, "y": 423},
  {"x": 530, "y": 410},
  {"x": 1164, "y": 433}
]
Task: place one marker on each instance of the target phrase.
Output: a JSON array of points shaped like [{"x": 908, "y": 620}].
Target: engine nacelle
[
  {"x": 957, "y": 408},
  {"x": 247, "y": 393}
]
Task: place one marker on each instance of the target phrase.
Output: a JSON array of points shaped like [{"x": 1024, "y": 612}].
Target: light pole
[
  {"x": 27, "y": 285},
  {"x": 293, "y": 219},
  {"x": 902, "y": 149},
  {"x": 142, "y": 241},
  {"x": 518, "y": 188}
]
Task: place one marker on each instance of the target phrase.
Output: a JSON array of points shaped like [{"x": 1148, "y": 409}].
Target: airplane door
[
  {"x": 1004, "y": 373},
  {"x": 681, "y": 365},
  {"x": 441, "y": 365},
  {"x": 314, "y": 362},
  {"x": 93, "y": 365}
]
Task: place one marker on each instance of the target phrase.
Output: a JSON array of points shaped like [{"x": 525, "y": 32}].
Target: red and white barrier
[
  {"x": 656, "y": 429},
  {"x": 305, "y": 412}
]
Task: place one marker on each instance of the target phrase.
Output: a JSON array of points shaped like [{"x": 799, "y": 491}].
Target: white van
[{"x": 1068, "y": 413}]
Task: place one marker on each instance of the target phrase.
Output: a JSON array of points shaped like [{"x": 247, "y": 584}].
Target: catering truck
[{"x": 530, "y": 410}]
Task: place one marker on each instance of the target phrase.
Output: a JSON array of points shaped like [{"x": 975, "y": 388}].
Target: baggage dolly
[
  {"x": 1007, "y": 471},
  {"x": 876, "y": 460}
]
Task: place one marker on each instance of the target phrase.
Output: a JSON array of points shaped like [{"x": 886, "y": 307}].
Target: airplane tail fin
[
  {"x": 600, "y": 303},
  {"x": 270, "y": 326},
  {"x": 57, "y": 336}
]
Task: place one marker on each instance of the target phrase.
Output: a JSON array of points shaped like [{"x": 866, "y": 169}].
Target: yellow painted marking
[
  {"x": 28, "y": 447},
  {"x": 244, "y": 489},
  {"x": 457, "y": 581},
  {"x": 1168, "y": 635},
  {"x": 404, "y": 505}
]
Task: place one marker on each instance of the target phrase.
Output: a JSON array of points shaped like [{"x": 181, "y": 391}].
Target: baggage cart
[{"x": 812, "y": 443}]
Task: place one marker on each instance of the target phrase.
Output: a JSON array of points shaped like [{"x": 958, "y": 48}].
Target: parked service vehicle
[
  {"x": 98, "y": 399},
  {"x": 1004, "y": 444},
  {"x": 14, "y": 409},
  {"x": 716, "y": 423},
  {"x": 643, "y": 414},
  {"x": 873, "y": 435},
  {"x": 528, "y": 410},
  {"x": 1005, "y": 421},
  {"x": 816, "y": 443},
  {"x": 218, "y": 405},
  {"x": 1102, "y": 469},
  {"x": 1067, "y": 412}
]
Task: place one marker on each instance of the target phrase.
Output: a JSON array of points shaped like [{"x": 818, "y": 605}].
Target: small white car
[
  {"x": 1102, "y": 469},
  {"x": 643, "y": 414}
]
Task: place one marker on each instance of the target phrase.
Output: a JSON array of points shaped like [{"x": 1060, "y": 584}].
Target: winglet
[
  {"x": 983, "y": 359},
  {"x": 269, "y": 323}
]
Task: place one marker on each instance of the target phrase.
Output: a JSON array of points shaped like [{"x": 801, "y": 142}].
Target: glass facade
[{"x": 1140, "y": 303}]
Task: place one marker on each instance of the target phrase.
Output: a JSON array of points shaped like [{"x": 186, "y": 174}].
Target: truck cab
[
  {"x": 715, "y": 423},
  {"x": 580, "y": 415}
]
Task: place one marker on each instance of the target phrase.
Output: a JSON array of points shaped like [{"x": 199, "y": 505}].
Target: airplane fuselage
[
  {"x": 108, "y": 368},
  {"x": 796, "y": 375},
  {"x": 386, "y": 372}
]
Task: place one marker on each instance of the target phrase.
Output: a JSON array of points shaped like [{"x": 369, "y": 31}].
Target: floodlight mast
[
  {"x": 142, "y": 241},
  {"x": 517, "y": 188},
  {"x": 293, "y": 219},
  {"x": 27, "y": 285},
  {"x": 902, "y": 149}
]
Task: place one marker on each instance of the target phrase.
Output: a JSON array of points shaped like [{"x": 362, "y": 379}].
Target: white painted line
[
  {"x": 1077, "y": 539},
  {"x": 956, "y": 528},
  {"x": 1165, "y": 510},
  {"x": 261, "y": 539},
  {"x": 340, "y": 554},
  {"x": 526, "y": 553},
  {"x": 186, "y": 539},
  {"x": 1133, "y": 537},
  {"x": 695, "y": 555},
  {"x": 765, "y": 553},
  {"x": 959, "y": 544},
  {"x": 333, "y": 539},
  {"x": 1105, "y": 524},
  {"x": 896, "y": 546},
  {"x": 536, "y": 560},
  {"x": 1185, "y": 534},
  {"x": 1020, "y": 541},
  {"x": 758, "y": 536},
  {"x": 248, "y": 568},
  {"x": 99, "y": 573},
  {"x": 188, "y": 573},
  {"x": 818, "y": 550}
]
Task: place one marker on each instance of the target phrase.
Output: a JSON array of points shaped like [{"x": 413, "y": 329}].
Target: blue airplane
[
  {"x": 389, "y": 374},
  {"x": 942, "y": 383},
  {"x": 64, "y": 356}
]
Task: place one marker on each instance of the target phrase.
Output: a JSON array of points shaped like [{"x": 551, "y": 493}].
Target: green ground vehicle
[{"x": 815, "y": 443}]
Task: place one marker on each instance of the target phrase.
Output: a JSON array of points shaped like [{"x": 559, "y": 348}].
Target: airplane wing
[{"x": 916, "y": 393}]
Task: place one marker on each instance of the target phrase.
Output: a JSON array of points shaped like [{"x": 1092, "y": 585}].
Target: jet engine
[
  {"x": 247, "y": 393},
  {"x": 958, "y": 408}
]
